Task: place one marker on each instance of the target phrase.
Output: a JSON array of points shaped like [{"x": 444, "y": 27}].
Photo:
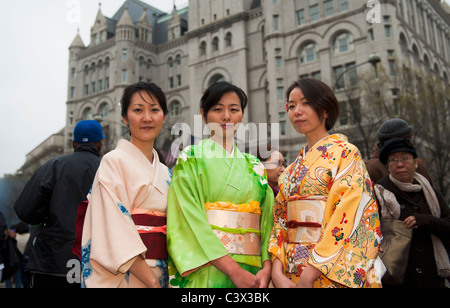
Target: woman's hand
[
  {"x": 308, "y": 277},
  {"x": 278, "y": 277},
  {"x": 240, "y": 277},
  {"x": 410, "y": 222},
  {"x": 264, "y": 274}
]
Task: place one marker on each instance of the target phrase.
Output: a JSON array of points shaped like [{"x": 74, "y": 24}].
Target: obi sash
[
  {"x": 151, "y": 227},
  {"x": 239, "y": 231},
  {"x": 305, "y": 219}
]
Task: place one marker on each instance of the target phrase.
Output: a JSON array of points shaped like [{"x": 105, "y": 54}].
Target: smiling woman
[{"x": 129, "y": 193}]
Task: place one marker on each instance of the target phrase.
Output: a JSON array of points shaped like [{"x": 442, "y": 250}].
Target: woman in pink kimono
[{"x": 124, "y": 234}]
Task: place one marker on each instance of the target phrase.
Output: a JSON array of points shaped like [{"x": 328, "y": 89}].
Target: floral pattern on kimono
[
  {"x": 347, "y": 251},
  {"x": 125, "y": 183}
]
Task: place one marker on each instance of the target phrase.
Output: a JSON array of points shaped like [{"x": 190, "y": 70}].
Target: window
[
  {"x": 215, "y": 44},
  {"x": 202, "y": 49},
  {"x": 343, "y": 119},
  {"x": 72, "y": 92},
  {"x": 278, "y": 61},
  {"x": 100, "y": 85},
  {"x": 314, "y": 12},
  {"x": 124, "y": 54},
  {"x": 228, "y": 39},
  {"x": 124, "y": 76},
  {"x": 104, "y": 110},
  {"x": 107, "y": 83},
  {"x": 171, "y": 84},
  {"x": 388, "y": 31},
  {"x": 343, "y": 43},
  {"x": 329, "y": 7},
  {"x": 175, "y": 109},
  {"x": 73, "y": 74},
  {"x": 86, "y": 89},
  {"x": 276, "y": 22},
  {"x": 343, "y": 5},
  {"x": 87, "y": 114},
  {"x": 309, "y": 53},
  {"x": 170, "y": 62},
  {"x": 301, "y": 19}
]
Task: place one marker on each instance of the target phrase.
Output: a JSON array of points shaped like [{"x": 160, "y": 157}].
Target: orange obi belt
[
  {"x": 237, "y": 226},
  {"x": 305, "y": 219},
  {"x": 151, "y": 226}
]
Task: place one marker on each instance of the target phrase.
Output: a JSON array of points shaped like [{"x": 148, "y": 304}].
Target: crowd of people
[{"x": 224, "y": 218}]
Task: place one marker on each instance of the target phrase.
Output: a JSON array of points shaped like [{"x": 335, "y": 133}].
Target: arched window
[
  {"x": 215, "y": 44},
  {"x": 202, "y": 48},
  {"x": 87, "y": 114},
  {"x": 175, "y": 109},
  {"x": 170, "y": 62},
  {"x": 215, "y": 79},
  {"x": 343, "y": 43},
  {"x": 178, "y": 60},
  {"x": 104, "y": 110},
  {"x": 141, "y": 62},
  {"x": 228, "y": 40},
  {"x": 309, "y": 52}
]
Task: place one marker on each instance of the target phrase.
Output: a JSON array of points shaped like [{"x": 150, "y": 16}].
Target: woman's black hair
[
  {"x": 150, "y": 88},
  {"x": 320, "y": 97},
  {"x": 214, "y": 93}
]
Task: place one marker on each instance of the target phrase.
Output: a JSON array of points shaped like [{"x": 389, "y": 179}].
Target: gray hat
[{"x": 393, "y": 128}]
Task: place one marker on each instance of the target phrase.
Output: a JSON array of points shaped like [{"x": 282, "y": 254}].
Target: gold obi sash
[
  {"x": 305, "y": 219},
  {"x": 237, "y": 226}
]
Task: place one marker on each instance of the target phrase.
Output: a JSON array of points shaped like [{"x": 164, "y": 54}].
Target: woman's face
[
  {"x": 224, "y": 118},
  {"x": 145, "y": 118},
  {"x": 402, "y": 166},
  {"x": 275, "y": 165},
  {"x": 304, "y": 119}
]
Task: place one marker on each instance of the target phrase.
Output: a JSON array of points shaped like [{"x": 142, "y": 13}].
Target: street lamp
[{"x": 374, "y": 59}]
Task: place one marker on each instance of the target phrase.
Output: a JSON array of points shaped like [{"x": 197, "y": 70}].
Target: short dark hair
[
  {"x": 320, "y": 97},
  {"x": 214, "y": 93},
  {"x": 150, "y": 88}
]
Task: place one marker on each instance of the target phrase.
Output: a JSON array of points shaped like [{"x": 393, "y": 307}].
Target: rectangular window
[
  {"x": 343, "y": 5},
  {"x": 329, "y": 7},
  {"x": 72, "y": 92},
  {"x": 388, "y": 31},
  {"x": 338, "y": 77},
  {"x": 86, "y": 89},
  {"x": 276, "y": 22},
  {"x": 124, "y": 76},
  {"x": 124, "y": 54},
  {"x": 314, "y": 12},
  {"x": 301, "y": 18},
  {"x": 107, "y": 83},
  {"x": 100, "y": 85}
]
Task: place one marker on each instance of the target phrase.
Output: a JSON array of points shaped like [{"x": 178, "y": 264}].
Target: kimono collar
[
  {"x": 320, "y": 149},
  {"x": 133, "y": 151}
]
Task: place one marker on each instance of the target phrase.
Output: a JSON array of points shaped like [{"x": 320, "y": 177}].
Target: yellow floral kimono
[{"x": 325, "y": 214}]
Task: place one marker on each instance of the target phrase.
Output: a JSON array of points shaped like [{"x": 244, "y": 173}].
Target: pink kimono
[{"x": 125, "y": 219}]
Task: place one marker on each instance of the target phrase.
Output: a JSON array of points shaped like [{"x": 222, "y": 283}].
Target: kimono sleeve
[
  {"x": 351, "y": 236},
  {"x": 190, "y": 240},
  {"x": 278, "y": 237},
  {"x": 114, "y": 240}
]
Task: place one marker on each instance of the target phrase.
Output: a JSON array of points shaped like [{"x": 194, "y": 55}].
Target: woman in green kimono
[{"x": 219, "y": 204}]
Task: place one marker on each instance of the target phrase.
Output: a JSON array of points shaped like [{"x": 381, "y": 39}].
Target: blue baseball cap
[{"x": 88, "y": 131}]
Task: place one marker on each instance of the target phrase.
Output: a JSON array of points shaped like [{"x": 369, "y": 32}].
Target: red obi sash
[{"x": 152, "y": 230}]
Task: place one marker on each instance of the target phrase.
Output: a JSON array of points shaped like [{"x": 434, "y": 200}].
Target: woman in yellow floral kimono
[{"x": 326, "y": 226}]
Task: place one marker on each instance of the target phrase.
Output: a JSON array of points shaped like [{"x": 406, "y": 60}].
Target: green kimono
[{"x": 207, "y": 173}]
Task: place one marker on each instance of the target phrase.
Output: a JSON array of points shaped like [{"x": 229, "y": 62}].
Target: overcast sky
[{"x": 36, "y": 35}]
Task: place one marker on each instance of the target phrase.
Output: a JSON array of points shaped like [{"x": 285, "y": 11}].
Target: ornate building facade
[{"x": 261, "y": 46}]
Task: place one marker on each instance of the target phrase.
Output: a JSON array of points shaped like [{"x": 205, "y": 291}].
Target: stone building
[{"x": 261, "y": 46}]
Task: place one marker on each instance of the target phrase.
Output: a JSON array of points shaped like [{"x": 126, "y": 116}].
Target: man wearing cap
[
  {"x": 394, "y": 128},
  {"x": 51, "y": 198}
]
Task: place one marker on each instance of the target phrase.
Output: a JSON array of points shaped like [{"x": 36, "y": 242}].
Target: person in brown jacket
[{"x": 390, "y": 129}]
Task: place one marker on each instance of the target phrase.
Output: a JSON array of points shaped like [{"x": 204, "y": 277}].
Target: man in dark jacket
[{"x": 51, "y": 198}]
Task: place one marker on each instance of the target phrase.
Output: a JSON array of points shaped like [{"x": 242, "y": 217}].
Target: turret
[
  {"x": 125, "y": 29},
  {"x": 99, "y": 31},
  {"x": 145, "y": 28}
]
